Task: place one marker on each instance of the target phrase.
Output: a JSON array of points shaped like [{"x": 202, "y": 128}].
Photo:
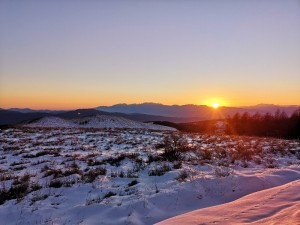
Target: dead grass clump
[
  {"x": 183, "y": 176},
  {"x": 159, "y": 171},
  {"x": 92, "y": 174}
]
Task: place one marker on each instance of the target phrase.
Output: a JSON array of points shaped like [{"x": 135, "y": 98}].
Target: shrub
[
  {"x": 177, "y": 165},
  {"x": 174, "y": 147},
  {"x": 90, "y": 201},
  {"x": 92, "y": 174},
  {"x": 68, "y": 182},
  {"x": 139, "y": 165},
  {"x": 132, "y": 174},
  {"x": 159, "y": 171},
  {"x": 73, "y": 169},
  {"x": 270, "y": 162},
  {"x": 182, "y": 176},
  {"x": 16, "y": 163},
  {"x": 23, "y": 179},
  {"x": 113, "y": 174},
  {"x": 41, "y": 153},
  {"x": 221, "y": 171},
  {"x": 6, "y": 176},
  {"x": 132, "y": 183},
  {"x": 93, "y": 162},
  {"x": 19, "y": 168},
  {"x": 220, "y": 153},
  {"x": 15, "y": 192},
  {"x": 115, "y": 161},
  {"x": 109, "y": 194},
  {"x": 133, "y": 156},
  {"x": 56, "y": 183},
  {"x": 49, "y": 172},
  {"x": 121, "y": 174},
  {"x": 39, "y": 162},
  {"x": 38, "y": 198},
  {"x": 205, "y": 154},
  {"x": 153, "y": 158},
  {"x": 244, "y": 153},
  {"x": 35, "y": 186}
]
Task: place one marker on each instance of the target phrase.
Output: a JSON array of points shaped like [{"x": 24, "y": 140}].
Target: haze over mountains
[
  {"x": 197, "y": 111},
  {"x": 144, "y": 112}
]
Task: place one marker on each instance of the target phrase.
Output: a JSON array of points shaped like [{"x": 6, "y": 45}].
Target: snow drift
[{"x": 279, "y": 205}]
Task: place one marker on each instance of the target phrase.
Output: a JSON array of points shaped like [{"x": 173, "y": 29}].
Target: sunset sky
[{"x": 79, "y": 54}]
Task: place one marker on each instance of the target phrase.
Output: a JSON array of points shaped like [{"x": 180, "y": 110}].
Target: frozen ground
[{"x": 123, "y": 176}]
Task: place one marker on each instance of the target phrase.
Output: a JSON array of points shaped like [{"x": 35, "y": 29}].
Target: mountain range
[
  {"x": 196, "y": 111},
  {"x": 144, "y": 112}
]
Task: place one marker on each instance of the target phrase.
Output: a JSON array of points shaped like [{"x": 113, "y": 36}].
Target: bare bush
[
  {"x": 92, "y": 174},
  {"x": 159, "y": 171},
  {"x": 183, "y": 176},
  {"x": 221, "y": 171},
  {"x": 93, "y": 200},
  {"x": 174, "y": 147}
]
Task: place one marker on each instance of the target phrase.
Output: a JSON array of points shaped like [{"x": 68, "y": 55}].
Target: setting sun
[{"x": 215, "y": 105}]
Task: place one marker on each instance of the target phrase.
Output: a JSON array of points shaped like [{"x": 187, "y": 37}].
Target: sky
[{"x": 80, "y": 54}]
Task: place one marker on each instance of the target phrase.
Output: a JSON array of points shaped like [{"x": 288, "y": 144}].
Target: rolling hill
[{"x": 97, "y": 121}]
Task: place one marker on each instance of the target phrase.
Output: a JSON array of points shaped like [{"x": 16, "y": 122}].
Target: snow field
[{"x": 121, "y": 176}]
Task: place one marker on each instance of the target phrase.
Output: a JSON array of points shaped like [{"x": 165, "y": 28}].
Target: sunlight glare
[{"x": 215, "y": 105}]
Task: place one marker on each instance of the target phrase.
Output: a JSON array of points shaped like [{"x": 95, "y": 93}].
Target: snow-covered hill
[
  {"x": 99, "y": 121},
  {"x": 105, "y": 121},
  {"x": 51, "y": 121}
]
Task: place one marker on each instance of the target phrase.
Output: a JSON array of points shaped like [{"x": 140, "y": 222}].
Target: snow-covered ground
[
  {"x": 98, "y": 121},
  {"x": 51, "y": 121},
  {"x": 123, "y": 176},
  {"x": 278, "y": 205}
]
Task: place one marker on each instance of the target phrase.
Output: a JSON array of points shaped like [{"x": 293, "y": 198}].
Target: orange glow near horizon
[
  {"x": 67, "y": 99},
  {"x": 77, "y": 101}
]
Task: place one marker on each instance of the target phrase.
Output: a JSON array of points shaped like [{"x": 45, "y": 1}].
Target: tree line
[{"x": 278, "y": 125}]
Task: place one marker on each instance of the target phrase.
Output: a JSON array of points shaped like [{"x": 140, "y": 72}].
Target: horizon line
[{"x": 221, "y": 106}]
